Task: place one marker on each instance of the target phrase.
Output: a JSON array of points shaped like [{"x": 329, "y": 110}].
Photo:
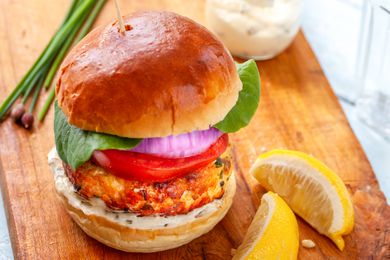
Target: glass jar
[
  {"x": 258, "y": 29},
  {"x": 373, "y": 105}
]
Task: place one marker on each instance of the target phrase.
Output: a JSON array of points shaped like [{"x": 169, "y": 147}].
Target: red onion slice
[{"x": 179, "y": 146}]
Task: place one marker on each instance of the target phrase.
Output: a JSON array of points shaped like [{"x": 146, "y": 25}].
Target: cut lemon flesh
[
  {"x": 310, "y": 188},
  {"x": 273, "y": 233}
]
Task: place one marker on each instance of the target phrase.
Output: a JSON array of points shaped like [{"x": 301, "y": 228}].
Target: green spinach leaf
[
  {"x": 248, "y": 100},
  {"x": 75, "y": 146}
]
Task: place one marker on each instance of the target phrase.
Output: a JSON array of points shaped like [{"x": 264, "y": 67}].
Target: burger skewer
[{"x": 120, "y": 19}]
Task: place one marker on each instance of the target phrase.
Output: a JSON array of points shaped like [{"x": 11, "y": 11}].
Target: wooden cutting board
[{"x": 298, "y": 110}]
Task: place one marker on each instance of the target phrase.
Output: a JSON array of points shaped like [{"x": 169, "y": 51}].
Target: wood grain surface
[{"x": 298, "y": 110}]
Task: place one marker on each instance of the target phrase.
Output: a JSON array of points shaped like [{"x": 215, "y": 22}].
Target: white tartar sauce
[{"x": 258, "y": 29}]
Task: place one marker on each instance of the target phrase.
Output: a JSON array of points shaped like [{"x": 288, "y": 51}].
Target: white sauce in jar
[{"x": 258, "y": 29}]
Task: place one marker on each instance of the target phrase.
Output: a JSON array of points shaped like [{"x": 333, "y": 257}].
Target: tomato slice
[{"x": 151, "y": 168}]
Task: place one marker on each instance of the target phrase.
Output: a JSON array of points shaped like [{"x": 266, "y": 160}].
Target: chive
[
  {"x": 87, "y": 26},
  {"x": 74, "y": 4},
  {"x": 218, "y": 162},
  {"x": 72, "y": 8},
  {"x": 91, "y": 19},
  {"x": 64, "y": 31},
  {"x": 37, "y": 90},
  {"x": 64, "y": 49},
  {"x": 61, "y": 41},
  {"x": 46, "y": 56},
  {"x": 17, "y": 91},
  {"x": 30, "y": 85},
  {"x": 85, "y": 29},
  {"x": 32, "y": 82},
  {"x": 46, "y": 105}
]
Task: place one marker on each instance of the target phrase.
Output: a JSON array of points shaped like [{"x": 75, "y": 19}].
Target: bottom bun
[{"x": 131, "y": 233}]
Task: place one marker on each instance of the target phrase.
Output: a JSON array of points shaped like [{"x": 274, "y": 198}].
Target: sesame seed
[{"x": 307, "y": 243}]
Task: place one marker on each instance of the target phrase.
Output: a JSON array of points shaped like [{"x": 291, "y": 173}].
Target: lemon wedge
[
  {"x": 273, "y": 233},
  {"x": 310, "y": 188}
]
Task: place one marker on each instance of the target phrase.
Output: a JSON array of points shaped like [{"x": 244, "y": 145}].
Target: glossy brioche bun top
[{"x": 165, "y": 75}]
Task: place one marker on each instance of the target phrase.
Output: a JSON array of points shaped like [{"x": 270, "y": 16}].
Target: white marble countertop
[{"x": 332, "y": 29}]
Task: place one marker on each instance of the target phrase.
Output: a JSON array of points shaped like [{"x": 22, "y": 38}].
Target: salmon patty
[{"x": 177, "y": 196}]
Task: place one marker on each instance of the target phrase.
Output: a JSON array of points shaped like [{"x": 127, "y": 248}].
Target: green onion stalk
[
  {"x": 70, "y": 11},
  {"x": 48, "y": 55},
  {"x": 48, "y": 81}
]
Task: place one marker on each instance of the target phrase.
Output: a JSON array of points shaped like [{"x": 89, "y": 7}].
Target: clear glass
[
  {"x": 332, "y": 28},
  {"x": 258, "y": 29},
  {"x": 373, "y": 105}
]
